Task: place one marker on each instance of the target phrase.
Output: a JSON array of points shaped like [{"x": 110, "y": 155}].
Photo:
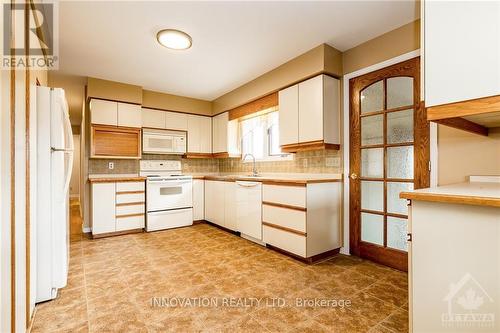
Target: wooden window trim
[{"x": 258, "y": 105}]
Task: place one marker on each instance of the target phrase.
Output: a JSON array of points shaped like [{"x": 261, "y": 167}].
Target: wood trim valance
[{"x": 258, "y": 105}]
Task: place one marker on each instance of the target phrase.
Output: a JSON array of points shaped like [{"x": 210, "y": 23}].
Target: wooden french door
[{"x": 389, "y": 153}]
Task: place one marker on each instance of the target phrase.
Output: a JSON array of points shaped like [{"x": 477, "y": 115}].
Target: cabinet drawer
[
  {"x": 129, "y": 209},
  {"x": 129, "y": 186},
  {"x": 129, "y": 223},
  {"x": 286, "y": 195},
  {"x": 128, "y": 198},
  {"x": 285, "y": 217},
  {"x": 284, "y": 240}
]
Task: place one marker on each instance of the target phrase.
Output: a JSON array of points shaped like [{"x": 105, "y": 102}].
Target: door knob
[{"x": 354, "y": 176}]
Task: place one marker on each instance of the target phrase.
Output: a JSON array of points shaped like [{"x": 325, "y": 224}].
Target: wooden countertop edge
[
  {"x": 451, "y": 198},
  {"x": 116, "y": 179},
  {"x": 283, "y": 181}
]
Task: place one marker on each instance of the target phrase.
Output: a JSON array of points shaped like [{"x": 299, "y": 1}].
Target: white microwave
[{"x": 163, "y": 141}]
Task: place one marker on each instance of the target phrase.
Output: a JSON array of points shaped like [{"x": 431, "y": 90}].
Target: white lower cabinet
[
  {"x": 198, "y": 199},
  {"x": 103, "y": 208},
  {"x": 117, "y": 207},
  {"x": 304, "y": 219},
  {"x": 249, "y": 208},
  {"x": 214, "y": 202},
  {"x": 220, "y": 203}
]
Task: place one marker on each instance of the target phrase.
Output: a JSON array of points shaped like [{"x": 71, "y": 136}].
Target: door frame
[{"x": 346, "y": 136}]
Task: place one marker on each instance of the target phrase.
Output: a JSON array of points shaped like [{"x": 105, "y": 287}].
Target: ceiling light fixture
[{"x": 174, "y": 39}]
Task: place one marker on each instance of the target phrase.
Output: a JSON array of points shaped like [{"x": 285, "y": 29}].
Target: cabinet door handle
[{"x": 409, "y": 237}]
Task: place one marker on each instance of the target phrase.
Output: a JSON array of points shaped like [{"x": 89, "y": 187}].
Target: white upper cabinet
[
  {"x": 289, "y": 115},
  {"x": 461, "y": 50},
  {"x": 115, "y": 113},
  {"x": 153, "y": 118},
  {"x": 103, "y": 112},
  {"x": 310, "y": 111},
  {"x": 176, "y": 121},
  {"x": 219, "y": 131},
  {"x": 199, "y": 130},
  {"x": 129, "y": 115}
]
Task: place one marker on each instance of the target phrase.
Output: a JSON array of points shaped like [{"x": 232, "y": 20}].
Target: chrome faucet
[{"x": 254, "y": 169}]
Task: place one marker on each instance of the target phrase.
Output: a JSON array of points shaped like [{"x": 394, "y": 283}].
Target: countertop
[
  {"x": 113, "y": 178},
  {"x": 470, "y": 193},
  {"x": 299, "y": 179}
]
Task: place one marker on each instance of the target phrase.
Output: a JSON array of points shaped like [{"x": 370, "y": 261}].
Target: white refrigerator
[{"x": 54, "y": 166}]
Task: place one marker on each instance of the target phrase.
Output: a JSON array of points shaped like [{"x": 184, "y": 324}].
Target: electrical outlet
[
  {"x": 111, "y": 165},
  {"x": 304, "y": 162},
  {"x": 332, "y": 162}
]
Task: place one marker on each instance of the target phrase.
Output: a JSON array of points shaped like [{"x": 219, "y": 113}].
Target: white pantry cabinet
[
  {"x": 220, "y": 203},
  {"x": 199, "y": 130},
  {"x": 152, "y": 118},
  {"x": 115, "y": 113},
  {"x": 461, "y": 50},
  {"x": 117, "y": 207},
  {"x": 310, "y": 112},
  {"x": 198, "y": 199}
]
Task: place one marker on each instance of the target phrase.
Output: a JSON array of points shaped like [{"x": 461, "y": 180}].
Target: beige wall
[
  {"x": 112, "y": 90},
  {"x": 158, "y": 100},
  {"x": 320, "y": 59},
  {"x": 389, "y": 45},
  {"x": 74, "y": 88},
  {"x": 462, "y": 154}
]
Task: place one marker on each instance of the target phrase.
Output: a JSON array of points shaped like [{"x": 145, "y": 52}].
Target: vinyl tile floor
[{"x": 203, "y": 279}]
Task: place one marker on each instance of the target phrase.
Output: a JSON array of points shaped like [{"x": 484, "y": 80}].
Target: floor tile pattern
[{"x": 112, "y": 282}]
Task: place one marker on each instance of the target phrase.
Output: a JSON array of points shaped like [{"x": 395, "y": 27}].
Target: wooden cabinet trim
[
  {"x": 293, "y": 231},
  {"x": 138, "y": 203},
  {"x": 311, "y": 145},
  {"x": 198, "y": 155},
  {"x": 129, "y": 192},
  {"x": 274, "y": 204},
  {"x": 452, "y": 199},
  {"x": 129, "y": 215},
  {"x": 464, "y": 125}
]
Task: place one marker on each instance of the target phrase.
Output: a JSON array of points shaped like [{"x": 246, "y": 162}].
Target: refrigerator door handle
[{"x": 70, "y": 149}]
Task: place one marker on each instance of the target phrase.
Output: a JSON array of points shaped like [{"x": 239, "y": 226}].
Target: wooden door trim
[{"x": 421, "y": 144}]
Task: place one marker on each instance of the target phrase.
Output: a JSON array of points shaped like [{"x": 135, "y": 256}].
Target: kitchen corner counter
[
  {"x": 471, "y": 193},
  {"x": 113, "y": 178}
]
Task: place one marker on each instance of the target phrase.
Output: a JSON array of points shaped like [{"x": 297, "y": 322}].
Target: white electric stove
[{"x": 169, "y": 195}]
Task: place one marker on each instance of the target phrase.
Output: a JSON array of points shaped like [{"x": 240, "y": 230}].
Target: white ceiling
[{"x": 233, "y": 42}]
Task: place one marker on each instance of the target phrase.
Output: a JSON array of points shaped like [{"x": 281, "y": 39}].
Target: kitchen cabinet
[
  {"x": 453, "y": 253},
  {"x": 117, "y": 207},
  {"x": 302, "y": 219},
  {"x": 230, "y": 218},
  {"x": 310, "y": 115},
  {"x": 453, "y": 72},
  {"x": 115, "y": 142},
  {"x": 225, "y": 136},
  {"x": 214, "y": 202},
  {"x": 129, "y": 115},
  {"x": 115, "y": 113},
  {"x": 199, "y": 136},
  {"x": 152, "y": 118},
  {"x": 288, "y": 100},
  {"x": 198, "y": 199},
  {"x": 220, "y": 203}
]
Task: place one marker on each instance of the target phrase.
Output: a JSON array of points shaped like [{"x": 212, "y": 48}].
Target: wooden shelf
[{"x": 474, "y": 116}]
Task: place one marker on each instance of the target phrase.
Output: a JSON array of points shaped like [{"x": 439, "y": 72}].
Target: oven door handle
[{"x": 168, "y": 183}]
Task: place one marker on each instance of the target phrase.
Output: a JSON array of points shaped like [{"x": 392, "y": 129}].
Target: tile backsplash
[{"x": 317, "y": 161}]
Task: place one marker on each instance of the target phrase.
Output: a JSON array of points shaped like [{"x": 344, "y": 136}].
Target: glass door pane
[
  {"x": 372, "y": 195},
  {"x": 372, "y": 162},
  {"x": 372, "y": 228},
  {"x": 397, "y": 229}
]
